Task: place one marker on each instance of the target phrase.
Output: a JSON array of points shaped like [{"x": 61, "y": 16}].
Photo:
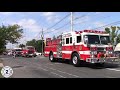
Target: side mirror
[
  {"x": 63, "y": 41},
  {"x": 86, "y": 40}
]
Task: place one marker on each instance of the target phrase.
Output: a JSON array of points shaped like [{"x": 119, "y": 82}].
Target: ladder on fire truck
[{"x": 59, "y": 47}]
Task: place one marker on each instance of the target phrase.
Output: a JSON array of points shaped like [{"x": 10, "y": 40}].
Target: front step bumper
[{"x": 103, "y": 60}]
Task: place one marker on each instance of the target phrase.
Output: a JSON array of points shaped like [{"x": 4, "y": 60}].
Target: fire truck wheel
[
  {"x": 51, "y": 57},
  {"x": 76, "y": 60}
]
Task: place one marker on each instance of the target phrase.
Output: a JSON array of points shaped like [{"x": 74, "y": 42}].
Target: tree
[
  {"x": 113, "y": 31},
  {"x": 9, "y": 34},
  {"x": 31, "y": 43},
  {"x": 21, "y": 45}
]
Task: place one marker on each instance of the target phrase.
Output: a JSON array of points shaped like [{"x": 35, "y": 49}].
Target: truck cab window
[
  {"x": 67, "y": 40},
  {"x": 78, "y": 39},
  {"x": 70, "y": 39}
]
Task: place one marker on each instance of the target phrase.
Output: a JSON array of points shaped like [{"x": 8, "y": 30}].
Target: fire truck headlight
[
  {"x": 93, "y": 52},
  {"x": 110, "y": 52},
  {"x": 92, "y": 55}
]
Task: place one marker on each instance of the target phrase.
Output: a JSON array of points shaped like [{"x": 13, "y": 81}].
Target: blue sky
[{"x": 33, "y": 22}]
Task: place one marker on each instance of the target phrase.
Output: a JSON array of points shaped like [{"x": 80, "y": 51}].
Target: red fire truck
[
  {"x": 28, "y": 51},
  {"x": 88, "y": 45}
]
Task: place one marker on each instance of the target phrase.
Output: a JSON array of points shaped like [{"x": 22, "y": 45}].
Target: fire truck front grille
[
  {"x": 100, "y": 49},
  {"x": 30, "y": 52}
]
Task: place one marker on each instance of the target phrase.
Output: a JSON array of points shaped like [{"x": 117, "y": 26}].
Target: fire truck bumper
[{"x": 103, "y": 60}]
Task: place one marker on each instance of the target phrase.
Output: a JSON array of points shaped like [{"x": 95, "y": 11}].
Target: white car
[
  {"x": 37, "y": 53},
  {"x": 9, "y": 53}
]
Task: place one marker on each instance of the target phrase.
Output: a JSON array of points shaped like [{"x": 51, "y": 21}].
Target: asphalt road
[{"x": 41, "y": 67}]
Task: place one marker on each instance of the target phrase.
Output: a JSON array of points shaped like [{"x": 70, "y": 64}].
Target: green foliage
[
  {"x": 113, "y": 31},
  {"x": 9, "y": 34},
  {"x": 21, "y": 45}
]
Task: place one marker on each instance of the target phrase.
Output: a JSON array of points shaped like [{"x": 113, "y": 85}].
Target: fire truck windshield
[
  {"x": 31, "y": 48},
  {"x": 105, "y": 40},
  {"x": 93, "y": 39},
  {"x": 96, "y": 39}
]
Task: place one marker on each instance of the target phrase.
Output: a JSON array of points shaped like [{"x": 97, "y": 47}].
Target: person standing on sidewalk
[{"x": 14, "y": 54}]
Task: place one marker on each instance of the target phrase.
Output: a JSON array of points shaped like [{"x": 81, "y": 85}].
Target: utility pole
[
  {"x": 42, "y": 41},
  {"x": 71, "y": 21}
]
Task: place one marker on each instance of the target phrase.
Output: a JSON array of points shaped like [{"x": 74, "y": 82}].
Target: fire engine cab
[{"x": 88, "y": 45}]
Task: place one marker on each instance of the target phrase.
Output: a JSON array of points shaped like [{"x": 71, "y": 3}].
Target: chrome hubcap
[{"x": 75, "y": 60}]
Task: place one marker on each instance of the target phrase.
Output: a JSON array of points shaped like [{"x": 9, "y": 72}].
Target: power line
[
  {"x": 58, "y": 22},
  {"x": 55, "y": 24},
  {"x": 87, "y": 20},
  {"x": 114, "y": 23},
  {"x": 59, "y": 27},
  {"x": 81, "y": 16},
  {"x": 67, "y": 23}
]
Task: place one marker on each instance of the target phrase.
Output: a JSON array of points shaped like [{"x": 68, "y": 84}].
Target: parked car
[
  {"x": 5, "y": 53},
  {"x": 37, "y": 53},
  {"x": 9, "y": 53}
]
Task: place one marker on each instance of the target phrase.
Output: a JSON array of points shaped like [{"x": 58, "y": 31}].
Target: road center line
[
  {"x": 58, "y": 75},
  {"x": 67, "y": 73},
  {"x": 49, "y": 64},
  {"x": 62, "y": 72},
  {"x": 43, "y": 69},
  {"x": 113, "y": 69}
]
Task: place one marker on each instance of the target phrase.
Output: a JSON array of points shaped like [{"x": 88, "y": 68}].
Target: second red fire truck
[
  {"x": 88, "y": 45},
  {"x": 28, "y": 51}
]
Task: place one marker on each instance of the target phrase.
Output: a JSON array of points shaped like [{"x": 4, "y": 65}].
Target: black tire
[
  {"x": 34, "y": 55},
  {"x": 76, "y": 60},
  {"x": 51, "y": 57}
]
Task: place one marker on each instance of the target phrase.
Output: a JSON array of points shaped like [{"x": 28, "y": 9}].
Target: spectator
[{"x": 14, "y": 54}]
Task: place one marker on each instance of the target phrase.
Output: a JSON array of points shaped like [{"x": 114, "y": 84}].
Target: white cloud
[
  {"x": 51, "y": 17},
  {"x": 89, "y": 28},
  {"x": 29, "y": 24}
]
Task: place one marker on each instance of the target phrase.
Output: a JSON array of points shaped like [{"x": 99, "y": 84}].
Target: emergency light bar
[{"x": 91, "y": 31}]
